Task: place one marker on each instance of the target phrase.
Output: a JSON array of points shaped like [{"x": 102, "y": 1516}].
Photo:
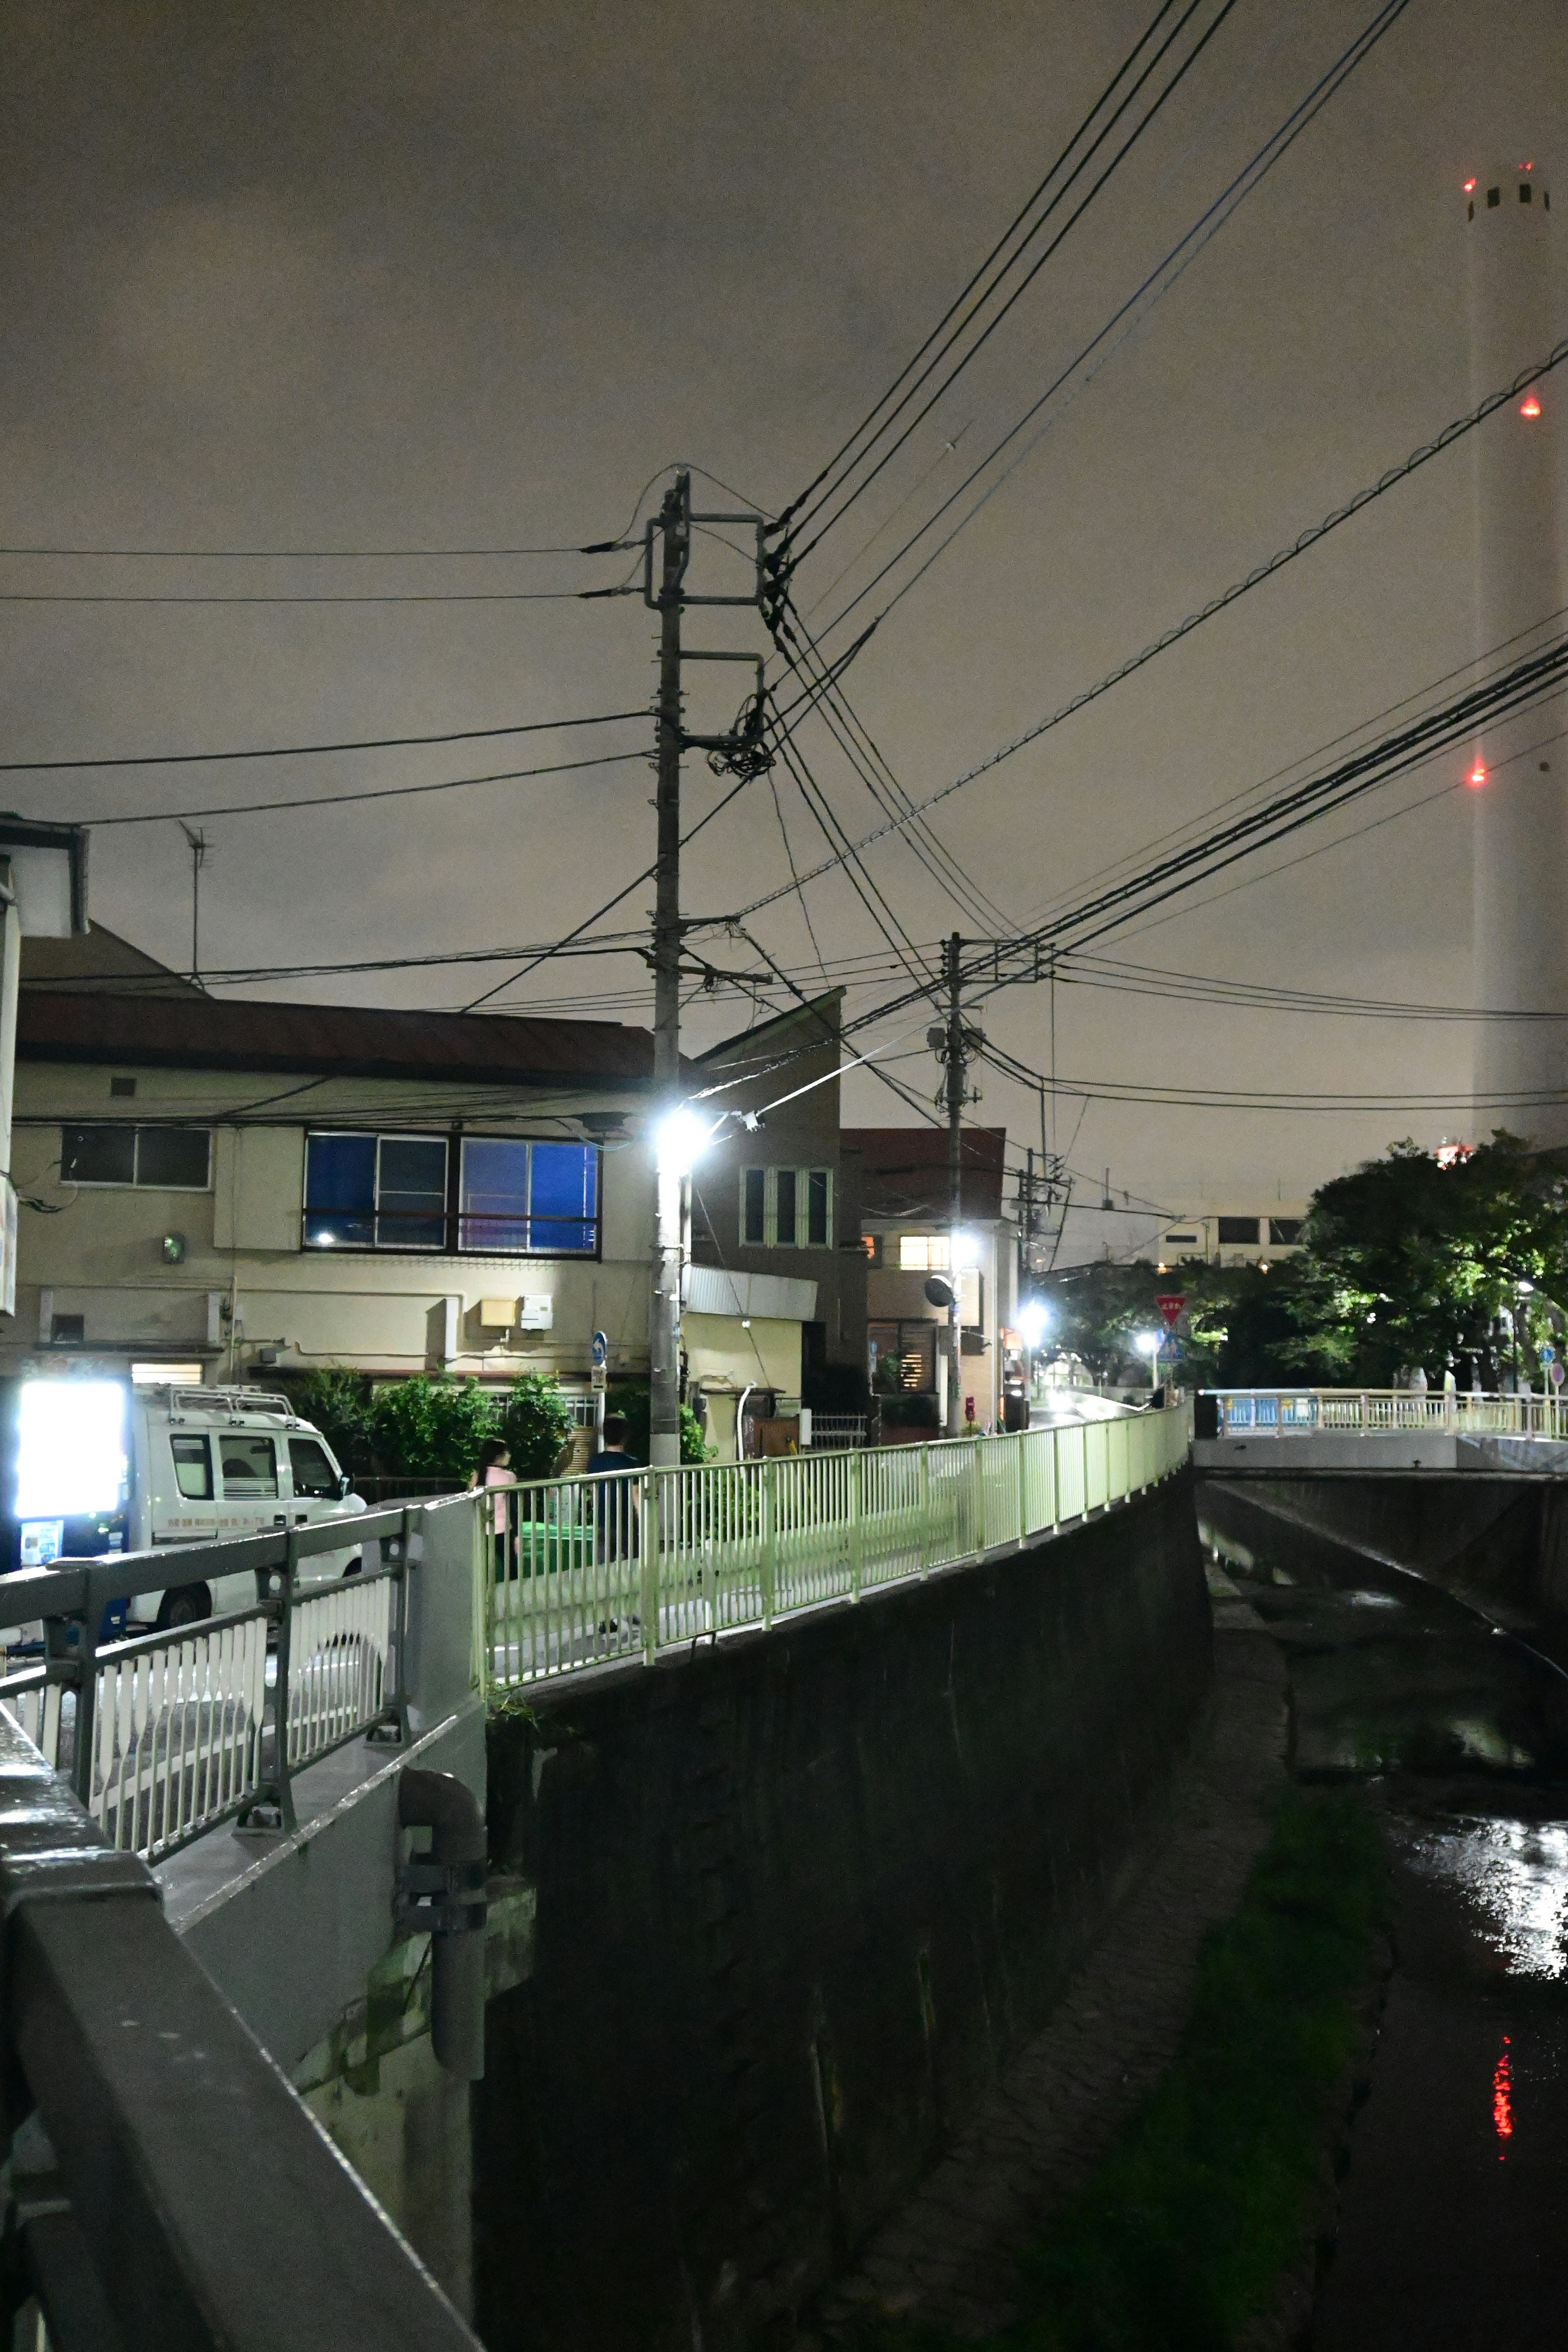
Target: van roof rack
[{"x": 230, "y": 1401}]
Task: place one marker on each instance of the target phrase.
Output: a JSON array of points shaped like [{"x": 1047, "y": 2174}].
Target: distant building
[
  {"x": 904, "y": 1224},
  {"x": 776, "y": 1226},
  {"x": 1235, "y": 1236}
]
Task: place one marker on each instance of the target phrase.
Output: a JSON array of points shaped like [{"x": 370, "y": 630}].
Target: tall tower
[{"x": 1521, "y": 795}]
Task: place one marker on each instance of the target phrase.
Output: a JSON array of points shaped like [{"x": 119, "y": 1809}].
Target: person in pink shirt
[{"x": 494, "y": 1469}]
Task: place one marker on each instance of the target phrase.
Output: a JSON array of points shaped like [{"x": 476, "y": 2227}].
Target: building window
[
  {"x": 786, "y": 1208},
  {"x": 1239, "y": 1232},
  {"x": 153, "y": 1159},
  {"x": 902, "y": 1357},
  {"x": 541, "y": 1198},
  {"x": 1286, "y": 1231},
  {"x": 514, "y": 1198},
  {"x": 922, "y": 1252},
  {"x": 376, "y": 1192},
  {"x": 872, "y": 1246}
]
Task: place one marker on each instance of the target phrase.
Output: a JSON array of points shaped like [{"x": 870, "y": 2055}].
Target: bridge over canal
[{"x": 1466, "y": 1490}]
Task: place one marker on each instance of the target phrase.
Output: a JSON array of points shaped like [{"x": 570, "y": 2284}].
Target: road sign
[
  {"x": 1555, "y": 1375},
  {"x": 1170, "y": 1304},
  {"x": 1548, "y": 1353},
  {"x": 599, "y": 1362}
]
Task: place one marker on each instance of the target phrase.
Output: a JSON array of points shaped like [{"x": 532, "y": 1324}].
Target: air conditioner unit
[{"x": 536, "y": 1314}]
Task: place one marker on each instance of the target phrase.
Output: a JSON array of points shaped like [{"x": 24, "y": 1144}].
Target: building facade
[
  {"x": 248, "y": 1189},
  {"x": 1239, "y": 1235},
  {"x": 775, "y": 1223},
  {"x": 904, "y": 1229}
]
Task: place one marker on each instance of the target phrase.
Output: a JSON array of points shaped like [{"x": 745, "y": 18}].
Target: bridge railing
[
  {"x": 1286, "y": 1413},
  {"x": 164, "y": 2187},
  {"x": 575, "y": 1571},
  {"x": 163, "y": 1735}
]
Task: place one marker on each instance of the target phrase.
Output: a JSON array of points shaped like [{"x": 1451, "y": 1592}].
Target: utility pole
[
  {"x": 198, "y": 842},
  {"x": 957, "y": 1070},
  {"x": 674, "y": 533}
]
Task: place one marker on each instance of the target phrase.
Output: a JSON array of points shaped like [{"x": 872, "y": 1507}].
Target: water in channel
[{"x": 1452, "y": 2227}]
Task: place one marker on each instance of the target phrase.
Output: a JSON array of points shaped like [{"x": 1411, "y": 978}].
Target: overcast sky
[{"x": 469, "y": 275}]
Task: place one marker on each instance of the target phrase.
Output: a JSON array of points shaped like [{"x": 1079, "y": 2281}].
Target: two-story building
[
  {"x": 775, "y": 1223},
  {"x": 905, "y": 1212},
  {"x": 249, "y": 1188}
]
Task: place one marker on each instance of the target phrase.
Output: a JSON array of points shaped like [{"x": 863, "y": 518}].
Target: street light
[
  {"x": 679, "y": 1141},
  {"x": 1148, "y": 1344},
  {"x": 1034, "y": 1321}
]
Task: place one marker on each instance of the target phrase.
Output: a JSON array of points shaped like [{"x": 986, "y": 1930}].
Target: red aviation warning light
[
  {"x": 1477, "y": 776},
  {"x": 1529, "y": 405},
  {"x": 1469, "y": 188}
]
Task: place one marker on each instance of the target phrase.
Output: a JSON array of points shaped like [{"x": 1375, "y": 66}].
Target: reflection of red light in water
[{"x": 1503, "y": 2102}]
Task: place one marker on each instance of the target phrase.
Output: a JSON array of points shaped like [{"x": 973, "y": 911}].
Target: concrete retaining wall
[{"x": 798, "y": 1896}]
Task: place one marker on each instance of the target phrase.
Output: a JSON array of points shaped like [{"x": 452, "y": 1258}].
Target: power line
[
  {"x": 1007, "y": 237},
  {"x": 396, "y": 597},
  {"x": 1017, "y": 293},
  {"x": 1200, "y": 234},
  {"x": 374, "y": 793},
  {"x": 312, "y": 751},
  {"x": 1306, "y": 539}
]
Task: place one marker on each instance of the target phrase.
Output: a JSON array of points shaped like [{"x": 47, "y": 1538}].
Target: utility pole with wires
[
  {"x": 673, "y": 532},
  {"x": 678, "y": 1130},
  {"x": 954, "y": 1043},
  {"x": 198, "y": 846}
]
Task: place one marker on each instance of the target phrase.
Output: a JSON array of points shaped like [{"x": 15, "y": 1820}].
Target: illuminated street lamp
[{"x": 1148, "y": 1344}]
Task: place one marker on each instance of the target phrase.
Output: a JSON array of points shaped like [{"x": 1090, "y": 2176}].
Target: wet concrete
[{"x": 1451, "y": 2230}]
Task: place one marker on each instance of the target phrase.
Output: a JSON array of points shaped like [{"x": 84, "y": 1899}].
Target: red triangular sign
[{"x": 1170, "y": 1304}]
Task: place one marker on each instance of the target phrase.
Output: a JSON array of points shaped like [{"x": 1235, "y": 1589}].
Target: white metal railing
[
  {"x": 574, "y": 1571},
  {"x": 1275, "y": 1413},
  {"x": 169, "y": 1733}
]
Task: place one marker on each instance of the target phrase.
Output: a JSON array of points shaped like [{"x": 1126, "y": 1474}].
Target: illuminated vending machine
[{"x": 67, "y": 1470}]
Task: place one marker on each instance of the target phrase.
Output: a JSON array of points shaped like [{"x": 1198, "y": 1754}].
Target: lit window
[
  {"x": 922, "y": 1252},
  {"x": 538, "y": 1198},
  {"x": 152, "y": 1158}
]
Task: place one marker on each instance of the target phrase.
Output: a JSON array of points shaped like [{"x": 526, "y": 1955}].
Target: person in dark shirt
[
  {"x": 612, "y": 1454},
  {"x": 615, "y": 1507}
]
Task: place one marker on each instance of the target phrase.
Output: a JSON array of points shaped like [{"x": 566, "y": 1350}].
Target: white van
[{"x": 103, "y": 1467}]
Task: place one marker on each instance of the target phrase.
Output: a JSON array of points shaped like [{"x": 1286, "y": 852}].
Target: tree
[
  {"x": 432, "y": 1428},
  {"x": 1452, "y": 1262},
  {"x": 536, "y": 1423}
]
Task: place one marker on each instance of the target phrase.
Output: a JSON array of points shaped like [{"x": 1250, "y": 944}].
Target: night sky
[{"x": 468, "y": 277}]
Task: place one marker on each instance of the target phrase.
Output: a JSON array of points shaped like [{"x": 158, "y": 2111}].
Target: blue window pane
[
  {"x": 564, "y": 1197},
  {"x": 411, "y": 1192},
  {"x": 495, "y": 1194},
  {"x": 339, "y": 1192}
]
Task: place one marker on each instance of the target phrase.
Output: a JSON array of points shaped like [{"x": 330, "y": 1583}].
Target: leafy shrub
[
  {"x": 907, "y": 1411},
  {"x": 338, "y": 1402},
  {"x": 432, "y": 1428},
  {"x": 536, "y": 1423},
  {"x": 631, "y": 1399}
]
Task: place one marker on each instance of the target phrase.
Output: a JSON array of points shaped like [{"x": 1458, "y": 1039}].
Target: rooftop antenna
[{"x": 198, "y": 842}]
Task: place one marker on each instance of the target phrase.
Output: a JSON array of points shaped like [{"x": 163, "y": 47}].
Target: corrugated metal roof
[
  {"x": 904, "y": 1170},
  {"x": 196, "y": 1032}
]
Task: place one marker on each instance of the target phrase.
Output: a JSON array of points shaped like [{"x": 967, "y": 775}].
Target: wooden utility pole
[
  {"x": 674, "y": 530},
  {"x": 956, "y": 1070}
]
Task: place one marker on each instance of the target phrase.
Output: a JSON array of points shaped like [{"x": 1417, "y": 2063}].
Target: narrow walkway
[{"x": 948, "y": 2258}]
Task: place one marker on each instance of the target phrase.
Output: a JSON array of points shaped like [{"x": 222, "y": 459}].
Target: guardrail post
[
  {"x": 976, "y": 1483},
  {"x": 925, "y": 1509},
  {"x": 86, "y": 1702},
  {"x": 769, "y": 1506},
  {"x": 652, "y": 1544},
  {"x": 857, "y": 1522},
  {"x": 284, "y": 1793},
  {"x": 1023, "y": 1486},
  {"x": 397, "y": 1704}
]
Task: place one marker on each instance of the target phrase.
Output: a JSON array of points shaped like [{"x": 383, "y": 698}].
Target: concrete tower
[{"x": 1520, "y": 801}]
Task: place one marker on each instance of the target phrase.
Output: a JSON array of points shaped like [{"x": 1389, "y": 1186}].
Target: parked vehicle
[{"x": 96, "y": 1466}]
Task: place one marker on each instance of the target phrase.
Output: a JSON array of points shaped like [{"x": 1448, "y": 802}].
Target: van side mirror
[{"x": 345, "y": 1485}]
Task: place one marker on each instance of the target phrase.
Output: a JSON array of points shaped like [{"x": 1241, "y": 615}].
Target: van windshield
[
  {"x": 193, "y": 1467},
  {"x": 313, "y": 1472},
  {"x": 249, "y": 1467}
]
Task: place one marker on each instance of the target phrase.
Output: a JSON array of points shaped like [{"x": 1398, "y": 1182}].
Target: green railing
[{"x": 578, "y": 1570}]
